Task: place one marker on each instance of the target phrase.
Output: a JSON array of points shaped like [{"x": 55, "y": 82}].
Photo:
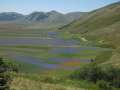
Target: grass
[
  {"x": 42, "y": 53},
  {"x": 96, "y": 20},
  {"x": 26, "y": 84},
  {"x": 32, "y": 77},
  {"x": 37, "y": 82},
  {"x": 101, "y": 28}
]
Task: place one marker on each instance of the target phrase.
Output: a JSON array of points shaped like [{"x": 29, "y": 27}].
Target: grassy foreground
[
  {"x": 27, "y": 84},
  {"x": 37, "y": 82}
]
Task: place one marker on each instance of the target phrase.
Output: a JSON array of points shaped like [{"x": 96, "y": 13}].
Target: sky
[{"x": 64, "y": 6}]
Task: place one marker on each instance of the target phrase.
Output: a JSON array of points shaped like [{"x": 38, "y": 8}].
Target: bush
[
  {"x": 90, "y": 73},
  {"x": 4, "y": 76},
  {"x": 95, "y": 74},
  {"x": 103, "y": 85}
]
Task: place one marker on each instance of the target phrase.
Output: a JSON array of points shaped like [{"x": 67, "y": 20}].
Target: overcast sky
[{"x": 28, "y": 6}]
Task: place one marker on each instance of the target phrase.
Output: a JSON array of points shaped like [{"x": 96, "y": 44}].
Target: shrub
[
  {"x": 95, "y": 73},
  {"x": 4, "y": 76},
  {"x": 90, "y": 73},
  {"x": 103, "y": 85}
]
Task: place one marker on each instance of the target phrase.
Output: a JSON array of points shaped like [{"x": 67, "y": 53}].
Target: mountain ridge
[{"x": 48, "y": 17}]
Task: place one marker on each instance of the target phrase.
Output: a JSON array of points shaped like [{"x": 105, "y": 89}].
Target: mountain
[
  {"x": 36, "y": 16},
  {"x": 10, "y": 16},
  {"x": 53, "y": 17},
  {"x": 43, "y": 17},
  {"x": 101, "y": 25},
  {"x": 49, "y": 17}
]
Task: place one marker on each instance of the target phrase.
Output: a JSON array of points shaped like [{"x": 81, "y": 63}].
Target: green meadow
[
  {"x": 46, "y": 57},
  {"x": 53, "y": 49},
  {"x": 82, "y": 55}
]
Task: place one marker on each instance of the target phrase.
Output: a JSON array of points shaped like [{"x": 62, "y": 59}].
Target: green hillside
[
  {"x": 103, "y": 26},
  {"x": 95, "y": 20}
]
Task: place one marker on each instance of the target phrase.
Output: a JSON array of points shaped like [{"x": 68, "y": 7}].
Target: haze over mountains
[{"x": 44, "y": 17}]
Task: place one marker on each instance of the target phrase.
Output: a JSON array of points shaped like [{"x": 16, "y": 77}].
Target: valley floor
[{"x": 37, "y": 50}]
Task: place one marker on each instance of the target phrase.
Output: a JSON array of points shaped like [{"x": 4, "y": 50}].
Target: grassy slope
[
  {"x": 45, "y": 82},
  {"x": 101, "y": 25},
  {"x": 96, "y": 20},
  {"x": 27, "y": 84}
]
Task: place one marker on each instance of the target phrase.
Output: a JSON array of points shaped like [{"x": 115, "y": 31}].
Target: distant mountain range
[{"x": 48, "y": 17}]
